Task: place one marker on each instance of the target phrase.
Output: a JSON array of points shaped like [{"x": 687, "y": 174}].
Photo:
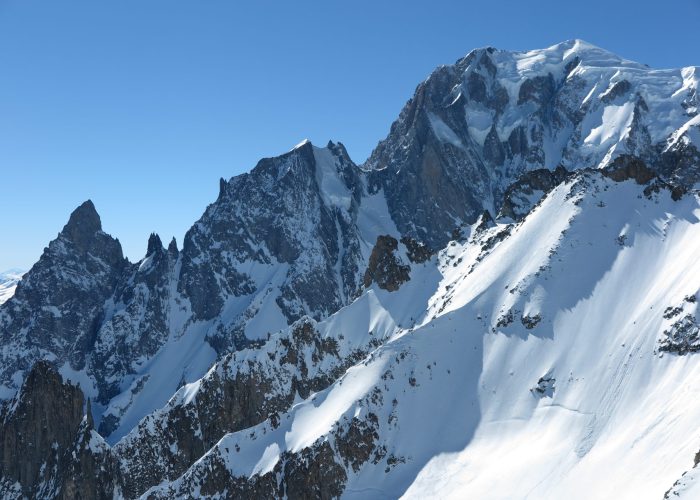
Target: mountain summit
[{"x": 500, "y": 303}]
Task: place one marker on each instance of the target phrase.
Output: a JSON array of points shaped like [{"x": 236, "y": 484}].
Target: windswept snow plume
[{"x": 502, "y": 303}]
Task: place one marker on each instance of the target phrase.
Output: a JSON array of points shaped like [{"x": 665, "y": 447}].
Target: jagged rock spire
[
  {"x": 172, "y": 247},
  {"x": 154, "y": 244},
  {"x": 82, "y": 225}
]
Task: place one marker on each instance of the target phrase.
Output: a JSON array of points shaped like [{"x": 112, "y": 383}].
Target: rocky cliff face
[
  {"x": 287, "y": 228},
  {"x": 50, "y": 446}
]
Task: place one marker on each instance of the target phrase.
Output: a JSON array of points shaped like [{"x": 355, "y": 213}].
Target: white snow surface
[
  {"x": 332, "y": 187},
  {"x": 444, "y": 132}
]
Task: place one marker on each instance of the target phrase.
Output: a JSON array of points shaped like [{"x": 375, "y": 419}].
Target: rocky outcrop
[
  {"x": 385, "y": 266},
  {"x": 311, "y": 473},
  {"x": 50, "y": 448},
  {"x": 629, "y": 167},
  {"x": 529, "y": 189},
  {"x": 40, "y": 426},
  {"x": 682, "y": 335},
  {"x": 416, "y": 252},
  {"x": 89, "y": 471}
]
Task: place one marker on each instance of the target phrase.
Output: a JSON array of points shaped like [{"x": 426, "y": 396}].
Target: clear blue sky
[{"x": 141, "y": 105}]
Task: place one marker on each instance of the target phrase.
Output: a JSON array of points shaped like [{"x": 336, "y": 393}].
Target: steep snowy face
[
  {"x": 473, "y": 128},
  {"x": 57, "y": 308},
  {"x": 131, "y": 360}
]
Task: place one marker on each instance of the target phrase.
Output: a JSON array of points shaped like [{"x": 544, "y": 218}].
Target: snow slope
[{"x": 573, "y": 302}]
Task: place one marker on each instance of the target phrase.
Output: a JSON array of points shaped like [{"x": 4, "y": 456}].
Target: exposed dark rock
[
  {"x": 545, "y": 387},
  {"x": 682, "y": 337},
  {"x": 311, "y": 473},
  {"x": 530, "y": 322},
  {"x": 90, "y": 471},
  {"x": 416, "y": 251},
  {"x": 44, "y": 412},
  {"x": 385, "y": 267},
  {"x": 626, "y": 167},
  {"x": 529, "y": 189},
  {"x": 618, "y": 89},
  {"x": 48, "y": 448},
  {"x": 154, "y": 245},
  {"x": 539, "y": 89},
  {"x": 485, "y": 222},
  {"x": 357, "y": 444},
  {"x": 82, "y": 225},
  {"x": 172, "y": 248},
  {"x": 314, "y": 473},
  {"x": 505, "y": 319}
]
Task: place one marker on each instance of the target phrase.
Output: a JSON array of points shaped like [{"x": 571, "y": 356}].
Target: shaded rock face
[
  {"x": 419, "y": 174},
  {"x": 89, "y": 471},
  {"x": 39, "y": 425},
  {"x": 385, "y": 267},
  {"x": 58, "y": 306},
  {"x": 278, "y": 214},
  {"x": 50, "y": 450}
]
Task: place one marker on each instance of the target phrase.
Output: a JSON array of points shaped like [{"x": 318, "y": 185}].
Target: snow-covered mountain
[
  {"x": 501, "y": 302},
  {"x": 8, "y": 283}
]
